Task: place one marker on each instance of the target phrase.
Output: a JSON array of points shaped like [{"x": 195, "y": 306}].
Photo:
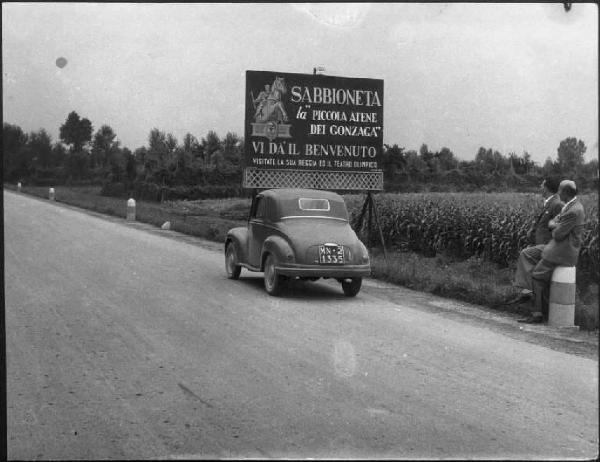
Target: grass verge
[{"x": 474, "y": 280}]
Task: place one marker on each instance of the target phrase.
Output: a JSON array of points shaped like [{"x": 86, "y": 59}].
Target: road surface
[{"x": 123, "y": 343}]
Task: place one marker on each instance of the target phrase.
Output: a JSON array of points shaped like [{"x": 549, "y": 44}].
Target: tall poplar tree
[{"x": 76, "y": 131}]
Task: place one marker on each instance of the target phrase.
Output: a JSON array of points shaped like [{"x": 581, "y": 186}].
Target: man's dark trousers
[{"x": 541, "y": 276}]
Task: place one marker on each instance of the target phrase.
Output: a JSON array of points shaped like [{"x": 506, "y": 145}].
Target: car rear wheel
[
  {"x": 273, "y": 281},
  {"x": 351, "y": 286},
  {"x": 232, "y": 266}
]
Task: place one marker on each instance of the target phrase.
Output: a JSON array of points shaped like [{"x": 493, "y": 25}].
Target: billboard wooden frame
[{"x": 281, "y": 146}]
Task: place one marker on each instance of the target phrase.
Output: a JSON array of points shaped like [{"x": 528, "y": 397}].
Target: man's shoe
[
  {"x": 532, "y": 320},
  {"x": 521, "y": 298}
]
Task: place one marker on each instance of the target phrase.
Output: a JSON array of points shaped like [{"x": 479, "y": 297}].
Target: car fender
[
  {"x": 240, "y": 237},
  {"x": 278, "y": 246}
]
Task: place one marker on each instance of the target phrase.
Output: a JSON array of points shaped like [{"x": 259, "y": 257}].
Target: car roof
[{"x": 293, "y": 193}]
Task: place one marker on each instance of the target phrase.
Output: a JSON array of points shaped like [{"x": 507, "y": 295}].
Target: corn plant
[{"x": 461, "y": 225}]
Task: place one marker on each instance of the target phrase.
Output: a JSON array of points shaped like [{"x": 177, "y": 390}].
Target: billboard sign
[{"x": 313, "y": 123}]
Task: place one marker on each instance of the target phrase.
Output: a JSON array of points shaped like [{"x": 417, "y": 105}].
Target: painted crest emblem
[{"x": 269, "y": 112}]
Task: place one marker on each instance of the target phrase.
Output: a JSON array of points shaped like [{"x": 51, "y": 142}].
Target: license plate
[{"x": 331, "y": 254}]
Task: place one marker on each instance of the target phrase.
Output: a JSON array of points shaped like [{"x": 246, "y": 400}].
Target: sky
[{"x": 511, "y": 77}]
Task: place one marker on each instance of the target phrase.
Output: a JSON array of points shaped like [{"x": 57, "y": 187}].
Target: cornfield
[{"x": 462, "y": 225}]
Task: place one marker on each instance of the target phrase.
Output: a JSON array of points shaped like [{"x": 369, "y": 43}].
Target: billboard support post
[{"x": 370, "y": 208}]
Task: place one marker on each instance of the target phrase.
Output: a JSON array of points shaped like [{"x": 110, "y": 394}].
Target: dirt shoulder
[{"x": 567, "y": 340}]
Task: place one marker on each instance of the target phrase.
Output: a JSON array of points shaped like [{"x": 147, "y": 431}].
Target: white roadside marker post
[
  {"x": 131, "y": 210},
  {"x": 561, "y": 306},
  {"x": 51, "y": 194}
]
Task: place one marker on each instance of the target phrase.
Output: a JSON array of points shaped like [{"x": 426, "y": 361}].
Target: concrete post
[
  {"x": 561, "y": 306},
  {"x": 19, "y": 186},
  {"x": 51, "y": 194},
  {"x": 131, "y": 210}
]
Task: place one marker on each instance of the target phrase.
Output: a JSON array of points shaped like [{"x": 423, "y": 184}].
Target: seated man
[
  {"x": 539, "y": 234},
  {"x": 562, "y": 250}
]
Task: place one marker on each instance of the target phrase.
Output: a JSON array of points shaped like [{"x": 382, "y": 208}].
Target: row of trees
[
  {"x": 84, "y": 156},
  {"x": 76, "y": 157},
  {"x": 490, "y": 170}
]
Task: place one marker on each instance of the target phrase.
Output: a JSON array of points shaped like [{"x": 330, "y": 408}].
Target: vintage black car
[{"x": 298, "y": 233}]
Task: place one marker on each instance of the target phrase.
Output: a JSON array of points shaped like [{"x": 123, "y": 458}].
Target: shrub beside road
[{"x": 458, "y": 245}]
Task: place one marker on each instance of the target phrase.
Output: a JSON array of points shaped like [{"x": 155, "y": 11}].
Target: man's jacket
[
  {"x": 563, "y": 248},
  {"x": 541, "y": 233}
]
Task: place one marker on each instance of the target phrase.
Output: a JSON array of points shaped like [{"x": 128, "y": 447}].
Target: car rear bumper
[{"x": 324, "y": 271}]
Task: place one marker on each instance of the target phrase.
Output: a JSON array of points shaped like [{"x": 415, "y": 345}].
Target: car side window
[{"x": 260, "y": 208}]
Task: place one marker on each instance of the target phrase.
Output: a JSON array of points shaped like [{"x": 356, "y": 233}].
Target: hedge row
[{"x": 157, "y": 193}]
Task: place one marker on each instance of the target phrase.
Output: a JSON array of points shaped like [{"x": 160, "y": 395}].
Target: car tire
[
  {"x": 232, "y": 266},
  {"x": 352, "y": 287},
  {"x": 273, "y": 281}
]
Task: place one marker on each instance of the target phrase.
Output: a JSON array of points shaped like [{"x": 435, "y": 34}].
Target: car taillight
[{"x": 365, "y": 255}]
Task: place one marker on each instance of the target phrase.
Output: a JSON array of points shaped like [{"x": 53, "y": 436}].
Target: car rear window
[
  {"x": 314, "y": 204},
  {"x": 298, "y": 207}
]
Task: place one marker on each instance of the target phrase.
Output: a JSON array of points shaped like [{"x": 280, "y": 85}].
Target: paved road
[{"x": 123, "y": 343}]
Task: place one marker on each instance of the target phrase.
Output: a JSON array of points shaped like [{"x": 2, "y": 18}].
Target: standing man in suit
[
  {"x": 562, "y": 250},
  {"x": 539, "y": 234}
]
